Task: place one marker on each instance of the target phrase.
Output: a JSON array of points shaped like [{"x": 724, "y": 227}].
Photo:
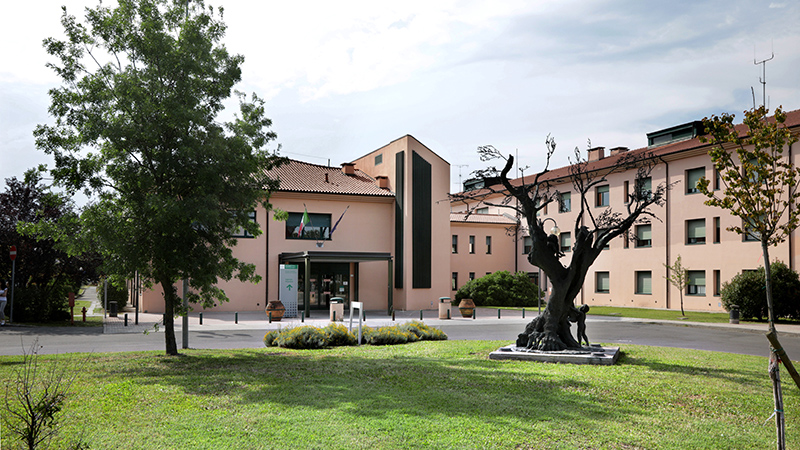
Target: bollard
[
  {"x": 334, "y": 315},
  {"x": 392, "y": 315},
  {"x": 523, "y": 313},
  {"x": 303, "y": 317},
  {"x": 364, "y": 316},
  {"x": 83, "y": 310},
  {"x": 236, "y": 318},
  {"x": 420, "y": 314},
  {"x": 474, "y": 313},
  {"x": 201, "y": 318},
  {"x": 126, "y": 319},
  {"x": 270, "y": 316},
  {"x": 498, "y": 313},
  {"x": 448, "y": 313}
]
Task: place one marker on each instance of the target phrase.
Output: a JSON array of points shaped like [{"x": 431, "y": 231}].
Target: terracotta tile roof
[
  {"x": 481, "y": 218},
  {"x": 663, "y": 151},
  {"x": 299, "y": 176}
]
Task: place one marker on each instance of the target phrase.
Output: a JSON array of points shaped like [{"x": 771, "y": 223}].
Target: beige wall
[{"x": 480, "y": 263}]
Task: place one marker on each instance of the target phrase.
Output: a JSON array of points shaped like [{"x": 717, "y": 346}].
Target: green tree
[
  {"x": 746, "y": 290},
  {"x": 501, "y": 288},
  {"x": 136, "y": 125},
  {"x": 759, "y": 184},
  {"x": 678, "y": 276}
]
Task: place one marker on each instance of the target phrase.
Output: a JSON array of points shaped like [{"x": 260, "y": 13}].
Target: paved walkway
[{"x": 258, "y": 320}]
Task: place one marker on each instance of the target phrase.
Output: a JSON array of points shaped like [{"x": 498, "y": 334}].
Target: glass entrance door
[{"x": 327, "y": 280}]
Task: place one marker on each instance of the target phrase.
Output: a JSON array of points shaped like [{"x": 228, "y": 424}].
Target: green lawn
[{"x": 441, "y": 395}]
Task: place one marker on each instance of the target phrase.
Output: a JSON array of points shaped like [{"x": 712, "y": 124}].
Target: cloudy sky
[{"x": 344, "y": 78}]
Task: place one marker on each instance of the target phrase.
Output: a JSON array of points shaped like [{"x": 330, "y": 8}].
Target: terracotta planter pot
[
  {"x": 276, "y": 308},
  {"x": 467, "y": 307}
]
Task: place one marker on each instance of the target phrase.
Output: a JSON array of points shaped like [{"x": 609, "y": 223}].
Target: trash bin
[
  {"x": 734, "y": 314},
  {"x": 337, "y": 309},
  {"x": 112, "y": 309},
  {"x": 444, "y": 307}
]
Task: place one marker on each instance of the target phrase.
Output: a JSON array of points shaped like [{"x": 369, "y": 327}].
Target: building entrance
[{"x": 327, "y": 280}]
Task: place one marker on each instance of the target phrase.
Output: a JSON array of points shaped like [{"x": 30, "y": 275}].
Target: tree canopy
[{"x": 137, "y": 127}]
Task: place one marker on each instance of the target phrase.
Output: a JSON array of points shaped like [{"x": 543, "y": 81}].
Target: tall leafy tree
[
  {"x": 759, "y": 184},
  {"x": 45, "y": 272},
  {"x": 137, "y": 126}
]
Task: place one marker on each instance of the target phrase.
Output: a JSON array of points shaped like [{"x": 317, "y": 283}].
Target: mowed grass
[{"x": 440, "y": 395}]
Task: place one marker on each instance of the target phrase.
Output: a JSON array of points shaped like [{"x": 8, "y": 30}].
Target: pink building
[
  {"x": 632, "y": 273},
  {"x": 389, "y": 248},
  {"x": 402, "y": 245}
]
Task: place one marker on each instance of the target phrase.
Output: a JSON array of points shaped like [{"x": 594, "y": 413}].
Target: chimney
[
  {"x": 383, "y": 181},
  {"x": 618, "y": 150},
  {"x": 349, "y": 168},
  {"x": 597, "y": 153}
]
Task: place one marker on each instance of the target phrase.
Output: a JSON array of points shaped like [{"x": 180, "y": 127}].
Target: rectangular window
[
  {"x": 471, "y": 276},
  {"x": 379, "y": 159},
  {"x": 454, "y": 282},
  {"x": 716, "y": 179},
  {"x": 484, "y": 210},
  {"x": 241, "y": 232},
  {"x": 455, "y": 244},
  {"x": 602, "y": 282},
  {"x": 644, "y": 282},
  {"x": 527, "y": 245},
  {"x": 602, "y": 196},
  {"x": 697, "y": 282},
  {"x": 643, "y": 188},
  {"x": 566, "y": 242},
  {"x": 696, "y": 231},
  {"x": 472, "y": 245},
  {"x": 488, "y": 245},
  {"x": 564, "y": 202},
  {"x": 717, "y": 230},
  {"x": 717, "y": 283},
  {"x": 750, "y": 234},
  {"x": 644, "y": 235},
  {"x": 317, "y": 227},
  {"x": 627, "y": 191},
  {"x": 692, "y": 177}
]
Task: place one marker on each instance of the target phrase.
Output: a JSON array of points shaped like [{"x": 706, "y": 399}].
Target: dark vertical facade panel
[
  {"x": 399, "y": 232},
  {"x": 421, "y": 211}
]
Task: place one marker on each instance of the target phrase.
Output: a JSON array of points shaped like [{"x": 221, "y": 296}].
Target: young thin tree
[
  {"x": 550, "y": 331},
  {"x": 759, "y": 184},
  {"x": 136, "y": 125},
  {"x": 678, "y": 276}
]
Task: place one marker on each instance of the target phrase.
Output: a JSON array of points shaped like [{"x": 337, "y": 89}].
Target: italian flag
[{"x": 303, "y": 222}]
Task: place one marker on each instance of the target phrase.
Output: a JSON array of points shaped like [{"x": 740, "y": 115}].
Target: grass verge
[{"x": 442, "y": 395}]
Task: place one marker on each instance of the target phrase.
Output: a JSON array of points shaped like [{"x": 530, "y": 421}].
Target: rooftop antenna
[
  {"x": 460, "y": 186},
  {"x": 763, "y": 79}
]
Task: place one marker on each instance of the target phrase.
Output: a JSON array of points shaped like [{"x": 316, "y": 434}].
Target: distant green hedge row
[{"x": 308, "y": 337}]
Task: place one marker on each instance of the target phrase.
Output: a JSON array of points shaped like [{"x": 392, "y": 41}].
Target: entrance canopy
[
  {"x": 335, "y": 257},
  {"x": 298, "y": 257}
]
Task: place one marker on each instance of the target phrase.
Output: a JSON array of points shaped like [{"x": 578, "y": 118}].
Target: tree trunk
[
  {"x": 775, "y": 376},
  {"x": 551, "y": 330},
  {"x": 768, "y": 284},
  {"x": 170, "y": 299}
]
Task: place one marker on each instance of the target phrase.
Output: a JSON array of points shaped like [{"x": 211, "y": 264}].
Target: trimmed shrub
[
  {"x": 748, "y": 291},
  {"x": 423, "y": 332},
  {"x": 308, "y": 337},
  {"x": 35, "y": 303},
  {"x": 501, "y": 289},
  {"x": 337, "y": 335},
  {"x": 270, "y": 338},
  {"x": 301, "y": 338},
  {"x": 388, "y": 336}
]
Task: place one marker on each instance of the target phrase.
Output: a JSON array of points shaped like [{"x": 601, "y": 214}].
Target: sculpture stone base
[{"x": 604, "y": 356}]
